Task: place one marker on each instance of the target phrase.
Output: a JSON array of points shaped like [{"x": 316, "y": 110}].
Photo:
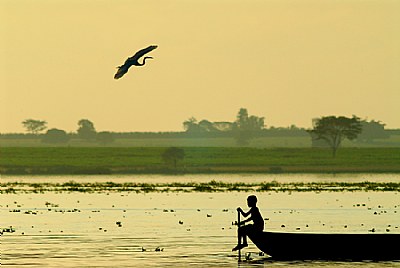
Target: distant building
[{"x": 223, "y": 126}]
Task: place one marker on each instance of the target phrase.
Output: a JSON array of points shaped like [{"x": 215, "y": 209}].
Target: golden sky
[{"x": 286, "y": 60}]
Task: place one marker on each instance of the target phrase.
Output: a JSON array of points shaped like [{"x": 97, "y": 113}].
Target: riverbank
[{"x": 197, "y": 160}]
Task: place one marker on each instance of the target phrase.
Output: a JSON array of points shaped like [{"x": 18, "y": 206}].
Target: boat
[{"x": 328, "y": 246}]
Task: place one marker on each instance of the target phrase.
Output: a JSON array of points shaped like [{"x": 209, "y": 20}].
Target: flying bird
[{"x": 134, "y": 60}]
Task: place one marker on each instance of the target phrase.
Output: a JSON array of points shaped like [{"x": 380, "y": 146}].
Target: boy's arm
[
  {"x": 244, "y": 221},
  {"x": 245, "y": 214}
]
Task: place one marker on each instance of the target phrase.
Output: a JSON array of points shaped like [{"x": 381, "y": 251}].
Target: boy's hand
[
  {"x": 237, "y": 223},
  {"x": 239, "y": 209}
]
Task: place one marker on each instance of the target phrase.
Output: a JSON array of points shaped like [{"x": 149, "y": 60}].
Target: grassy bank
[{"x": 106, "y": 160}]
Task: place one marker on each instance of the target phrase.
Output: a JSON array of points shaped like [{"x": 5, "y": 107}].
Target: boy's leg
[
  {"x": 240, "y": 235},
  {"x": 245, "y": 240},
  {"x": 244, "y": 234}
]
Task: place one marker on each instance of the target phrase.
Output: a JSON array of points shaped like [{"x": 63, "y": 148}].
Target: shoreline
[{"x": 27, "y": 170}]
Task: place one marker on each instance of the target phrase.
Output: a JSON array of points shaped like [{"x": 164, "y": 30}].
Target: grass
[
  {"x": 213, "y": 186},
  {"x": 165, "y": 142},
  {"x": 122, "y": 160},
  {"x": 261, "y": 142}
]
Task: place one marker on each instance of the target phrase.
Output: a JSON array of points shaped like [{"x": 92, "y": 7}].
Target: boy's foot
[{"x": 239, "y": 247}]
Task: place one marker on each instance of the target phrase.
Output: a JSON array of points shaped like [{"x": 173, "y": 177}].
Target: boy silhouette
[{"x": 255, "y": 216}]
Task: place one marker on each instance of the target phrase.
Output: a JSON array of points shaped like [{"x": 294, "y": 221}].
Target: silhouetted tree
[
  {"x": 55, "y": 136},
  {"x": 245, "y": 127},
  {"x": 334, "y": 129},
  {"x": 105, "y": 137},
  {"x": 34, "y": 126},
  {"x": 86, "y": 130},
  {"x": 172, "y": 155},
  {"x": 191, "y": 125}
]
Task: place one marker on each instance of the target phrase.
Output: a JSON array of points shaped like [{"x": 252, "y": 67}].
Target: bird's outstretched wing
[
  {"x": 123, "y": 69},
  {"x": 142, "y": 52}
]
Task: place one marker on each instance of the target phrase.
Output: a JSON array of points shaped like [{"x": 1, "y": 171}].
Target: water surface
[{"x": 111, "y": 229}]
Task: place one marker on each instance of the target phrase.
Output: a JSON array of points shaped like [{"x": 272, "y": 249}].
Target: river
[{"x": 111, "y": 229}]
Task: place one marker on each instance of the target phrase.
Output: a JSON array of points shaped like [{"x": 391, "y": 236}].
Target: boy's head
[{"x": 252, "y": 200}]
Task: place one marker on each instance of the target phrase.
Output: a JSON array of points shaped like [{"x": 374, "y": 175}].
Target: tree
[
  {"x": 86, "y": 130},
  {"x": 55, "y": 136},
  {"x": 105, "y": 137},
  {"x": 245, "y": 127},
  {"x": 334, "y": 129},
  {"x": 191, "y": 125},
  {"x": 34, "y": 126},
  {"x": 172, "y": 155}
]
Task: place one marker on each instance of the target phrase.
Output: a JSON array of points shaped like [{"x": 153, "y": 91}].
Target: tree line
[{"x": 327, "y": 131}]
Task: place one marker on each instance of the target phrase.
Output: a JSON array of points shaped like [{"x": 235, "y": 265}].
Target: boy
[{"x": 257, "y": 226}]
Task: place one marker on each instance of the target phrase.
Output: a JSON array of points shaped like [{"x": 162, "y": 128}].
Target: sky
[{"x": 286, "y": 60}]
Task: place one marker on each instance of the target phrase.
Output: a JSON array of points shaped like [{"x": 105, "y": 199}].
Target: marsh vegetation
[{"x": 212, "y": 186}]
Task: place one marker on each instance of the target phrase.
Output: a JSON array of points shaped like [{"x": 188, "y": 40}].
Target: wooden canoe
[{"x": 328, "y": 246}]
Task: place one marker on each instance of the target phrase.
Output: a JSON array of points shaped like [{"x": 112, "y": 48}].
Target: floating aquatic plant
[{"x": 212, "y": 186}]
